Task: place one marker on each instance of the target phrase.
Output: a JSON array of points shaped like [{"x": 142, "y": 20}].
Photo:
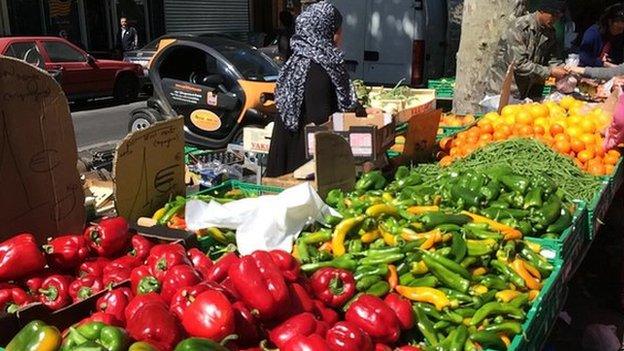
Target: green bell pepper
[
  {"x": 334, "y": 197},
  {"x": 142, "y": 346},
  {"x": 491, "y": 190},
  {"x": 371, "y": 181},
  {"x": 35, "y": 336},
  {"x": 549, "y": 213},
  {"x": 199, "y": 344},
  {"x": 468, "y": 197},
  {"x": 515, "y": 183},
  {"x": 562, "y": 223},
  {"x": 533, "y": 199},
  {"x": 109, "y": 337}
]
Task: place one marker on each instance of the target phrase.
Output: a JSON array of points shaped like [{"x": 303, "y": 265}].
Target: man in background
[
  {"x": 127, "y": 38},
  {"x": 529, "y": 44}
]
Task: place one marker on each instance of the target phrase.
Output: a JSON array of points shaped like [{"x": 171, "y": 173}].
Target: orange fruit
[
  {"x": 446, "y": 160},
  {"x": 498, "y": 135},
  {"x": 596, "y": 168},
  {"x": 588, "y": 139},
  {"x": 599, "y": 150},
  {"x": 556, "y": 129},
  {"x": 487, "y": 128},
  {"x": 454, "y": 151},
  {"x": 487, "y": 137},
  {"x": 562, "y": 146},
  {"x": 524, "y": 117},
  {"x": 509, "y": 110},
  {"x": 471, "y": 140},
  {"x": 576, "y": 145},
  {"x": 560, "y": 137},
  {"x": 567, "y": 102},
  {"x": 539, "y": 130},
  {"x": 609, "y": 159},
  {"x": 585, "y": 155},
  {"x": 539, "y": 110},
  {"x": 505, "y": 130},
  {"x": 609, "y": 169},
  {"x": 574, "y": 131},
  {"x": 587, "y": 125},
  {"x": 461, "y": 136},
  {"x": 614, "y": 153},
  {"x": 445, "y": 143}
]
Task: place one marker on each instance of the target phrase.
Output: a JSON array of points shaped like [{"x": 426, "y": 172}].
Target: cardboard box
[
  {"x": 404, "y": 112},
  {"x": 257, "y": 140},
  {"x": 368, "y": 137}
]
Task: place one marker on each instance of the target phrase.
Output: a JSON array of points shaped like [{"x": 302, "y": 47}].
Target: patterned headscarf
[{"x": 313, "y": 42}]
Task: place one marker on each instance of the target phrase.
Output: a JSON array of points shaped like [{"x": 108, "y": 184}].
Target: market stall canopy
[{"x": 41, "y": 189}]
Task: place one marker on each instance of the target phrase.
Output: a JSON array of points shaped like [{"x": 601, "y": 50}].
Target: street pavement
[{"x": 101, "y": 123}]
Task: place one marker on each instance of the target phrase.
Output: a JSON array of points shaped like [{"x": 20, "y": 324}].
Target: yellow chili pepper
[
  {"x": 533, "y": 294},
  {"x": 505, "y": 339},
  {"x": 340, "y": 233},
  {"x": 531, "y": 282},
  {"x": 389, "y": 238},
  {"x": 369, "y": 237},
  {"x": 410, "y": 235},
  {"x": 425, "y": 294},
  {"x": 419, "y": 268},
  {"x": 466, "y": 321},
  {"x": 479, "y": 271},
  {"x": 387, "y": 197},
  {"x": 534, "y": 272},
  {"x": 535, "y": 247},
  {"x": 509, "y": 232},
  {"x": 507, "y": 295},
  {"x": 217, "y": 234},
  {"x": 432, "y": 240},
  {"x": 381, "y": 209},
  {"x": 159, "y": 213},
  {"x": 422, "y": 209},
  {"x": 295, "y": 252},
  {"x": 480, "y": 289}
]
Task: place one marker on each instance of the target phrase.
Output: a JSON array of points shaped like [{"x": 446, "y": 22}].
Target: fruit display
[
  {"x": 570, "y": 127},
  {"x": 453, "y": 120}
]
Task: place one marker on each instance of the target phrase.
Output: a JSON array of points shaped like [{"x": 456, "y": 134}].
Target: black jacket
[{"x": 127, "y": 42}]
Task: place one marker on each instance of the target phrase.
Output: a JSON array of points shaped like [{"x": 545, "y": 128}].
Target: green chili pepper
[
  {"x": 367, "y": 271},
  {"x": 176, "y": 208},
  {"x": 481, "y": 247},
  {"x": 515, "y": 183},
  {"x": 425, "y": 326},
  {"x": 428, "y": 281},
  {"x": 549, "y": 213},
  {"x": 533, "y": 199},
  {"x": 496, "y": 172},
  {"x": 382, "y": 252},
  {"x": 537, "y": 261},
  {"x": 524, "y": 227},
  {"x": 496, "y": 308},
  {"x": 490, "y": 191},
  {"x": 507, "y": 198},
  {"x": 334, "y": 197},
  {"x": 371, "y": 181},
  {"x": 446, "y": 276},
  {"x": 468, "y": 261},
  {"x": 465, "y": 312},
  {"x": 303, "y": 252},
  {"x": 379, "y": 289},
  {"x": 441, "y": 325},
  {"x": 508, "y": 327},
  {"x": 509, "y": 273},
  {"x": 458, "y": 248},
  {"x": 366, "y": 282},
  {"x": 317, "y": 237},
  {"x": 520, "y": 301},
  {"x": 488, "y": 340},
  {"x": 468, "y": 197},
  {"x": 484, "y": 234},
  {"x": 429, "y": 310},
  {"x": 354, "y": 246},
  {"x": 373, "y": 261},
  {"x": 499, "y": 204},
  {"x": 345, "y": 262},
  {"x": 431, "y": 220},
  {"x": 448, "y": 264},
  {"x": 403, "y": 268},
  {"x": 562, "y": 223},
  {"x": 459, "y": 296},
  {"x": 503, "y": 213},
  {"x": 493, "y": 282},
  {"x": 452, "y": 317},
  {"x": 459, "y": 339},
  {"x": 517, "y": 201}
]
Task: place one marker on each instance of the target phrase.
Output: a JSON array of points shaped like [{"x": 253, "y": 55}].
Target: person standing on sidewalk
[{"x": 127, "y": 38}]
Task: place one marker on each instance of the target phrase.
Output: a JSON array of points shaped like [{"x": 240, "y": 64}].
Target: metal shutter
[{"x": 214, "y": 16}]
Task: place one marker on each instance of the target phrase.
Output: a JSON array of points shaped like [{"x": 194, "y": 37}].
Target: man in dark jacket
[
  {"x": 529, "y": 43},
  {"x": 127, "y": 38}
]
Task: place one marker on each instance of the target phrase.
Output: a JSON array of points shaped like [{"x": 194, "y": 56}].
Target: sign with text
[
  {"x": 149, "y": 169},
  {"x": 41, "y": 189}
]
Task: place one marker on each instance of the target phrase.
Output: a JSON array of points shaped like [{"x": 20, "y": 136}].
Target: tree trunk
[{"x": 484, "y": 22}]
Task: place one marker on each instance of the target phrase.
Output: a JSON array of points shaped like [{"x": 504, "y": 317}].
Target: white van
[{"x": 386, "y": 41}]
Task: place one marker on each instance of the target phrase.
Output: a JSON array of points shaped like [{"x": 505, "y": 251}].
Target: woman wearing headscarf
[{"x": 312, "y": 85}]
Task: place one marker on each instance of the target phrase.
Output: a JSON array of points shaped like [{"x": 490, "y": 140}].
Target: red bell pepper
[
  {"x": 325, "y": 314},
  {"x": 54, "y": 292},
  {"x": 247, "y": 326},
  {"x": 102, "y": 317},
  {"x": 333, "y": 286},
  {"x": 306, "y": 343},
  {"x": 201, "y": 262},
  {"x": 164, "y": 256},
  {"x": 140, "y": 301},
  {"x": 20, "y": 257},
  {"x": 183, "y": 298},
  {"x": 408, "y": 348},
  {"x": 219, "y": 271},
  {"x": 210, "y": 316},
  {"x": 382, "y": 347},
  {"x": 287, "y": 264},
  {"x": 34, "y": 284},
  {"x": 260, "y": 284},
  {"x": 143, "y": 282},
  {"x": 94, "y": 267},
  {"x": 178, "y": 277},
  {"x": 141, "y": 247},
  {"x": 124, "y": 262},
  {"x": 67, "y": 251},
  {"x": 115, "y": 276},
  {"x": 115, "y": 302},
  {"x": 374, "y": 316},
  {"x": 345, "y": 336},
  {"x": 12, "y": 298},
  {"x": 154, "y": 324},
  {"x": 83, "y": 287},
  {"x": 402, "y": 308},
  {"x": 109, "y": 237},
  {"x": 300, "y": 300},
  {"x": 304, "y": 324}
]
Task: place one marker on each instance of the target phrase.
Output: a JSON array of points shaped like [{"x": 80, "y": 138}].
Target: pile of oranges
[{"x": 569, "y": 127}]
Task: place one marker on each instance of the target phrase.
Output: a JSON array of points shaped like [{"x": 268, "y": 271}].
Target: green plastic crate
[
  {"x": 570, "y": 247},
  {"x": 542, "y": 314},
  {"x": 598, "y": 207}
]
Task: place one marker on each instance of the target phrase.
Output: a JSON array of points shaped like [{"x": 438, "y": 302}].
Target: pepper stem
[
  {"x": 51, "y": 293},
  {"x": 12, "y": 308},
  {"x": 336, "y": 287},
  {"x": 264, "y": 346},
  {"x": 84, "y": 292},
  {"x": 229, "y": 338}
]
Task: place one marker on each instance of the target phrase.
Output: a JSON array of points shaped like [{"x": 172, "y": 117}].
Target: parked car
[{"x": 81, "y": 75}]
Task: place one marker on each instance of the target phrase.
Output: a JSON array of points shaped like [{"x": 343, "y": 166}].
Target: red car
[{"x": 80, "y": 74}]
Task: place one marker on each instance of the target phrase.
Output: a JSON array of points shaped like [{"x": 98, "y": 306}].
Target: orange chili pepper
[
  {"x": 393, "y": 277},
  {"x": 531, "y": 282},
  {"x": 327, "y": 246}
]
